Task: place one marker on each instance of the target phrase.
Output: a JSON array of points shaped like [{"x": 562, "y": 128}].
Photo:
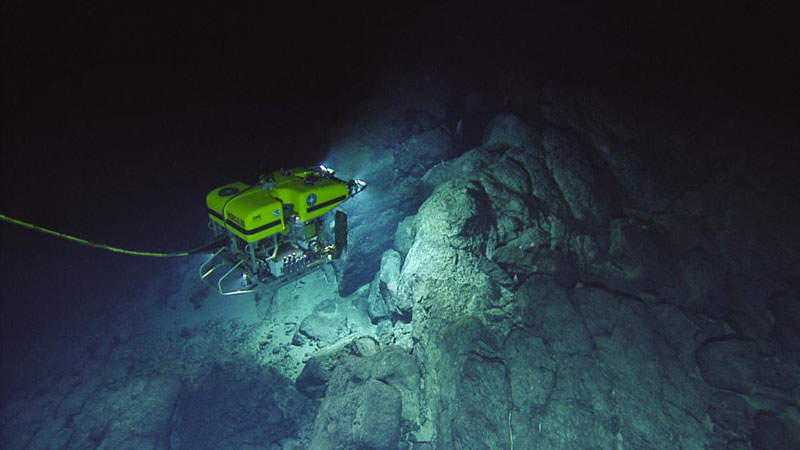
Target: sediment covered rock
[{"x": 369, "y": 403}]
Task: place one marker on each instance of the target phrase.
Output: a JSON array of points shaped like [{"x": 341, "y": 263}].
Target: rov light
[
  {"x": 325, "y": 169},
  {"x": 356, "y": 186}
]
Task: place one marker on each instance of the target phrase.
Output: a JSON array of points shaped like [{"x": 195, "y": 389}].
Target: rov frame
[{"x": 275, "y": 231}]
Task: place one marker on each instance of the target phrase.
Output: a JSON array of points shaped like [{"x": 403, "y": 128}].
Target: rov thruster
[{"x": 276, "y": 230}]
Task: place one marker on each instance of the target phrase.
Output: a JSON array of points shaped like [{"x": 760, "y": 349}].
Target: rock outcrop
[
  {"x": 390, "y": 141},
  {"x": 370, "y": 402},
  {"x": 566, "y": 287}
]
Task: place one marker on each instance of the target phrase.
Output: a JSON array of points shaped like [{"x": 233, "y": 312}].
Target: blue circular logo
[
  {"x": 228, "y": 191},
  {"x": 311, "y": 200}
]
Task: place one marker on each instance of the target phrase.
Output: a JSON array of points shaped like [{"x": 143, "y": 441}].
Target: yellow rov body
[{"x": 275, "y": 228}]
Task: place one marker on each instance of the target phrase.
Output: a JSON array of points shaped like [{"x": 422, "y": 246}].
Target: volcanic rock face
[{"x": 565, "y": 286}]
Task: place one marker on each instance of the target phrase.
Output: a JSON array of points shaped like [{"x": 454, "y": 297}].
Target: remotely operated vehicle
[{"x": 276, "y": 230}]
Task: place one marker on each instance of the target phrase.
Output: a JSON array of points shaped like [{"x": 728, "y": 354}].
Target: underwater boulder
[
  {"x": 404, "y": 236},
  {"x": 382, "y": 301},
  {"x": 471, "y": 399},
  {"x": 442, "y": 276},
  {"x": 369, "y": 237},
  {"x": 325, "y": 325},
  {"x": 571, "y": 168},
  {"x": 369, "y": 403},
  {"x": 642, "y": 182},
  {"x": 729, "y": 363},
  {"x": 510, "y": 130},
  {"x": 420, "y": 152},
  {"x": 313, "y": 380}
]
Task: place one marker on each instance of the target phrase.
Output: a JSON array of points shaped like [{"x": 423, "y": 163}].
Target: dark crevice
[{"x": 617, "y": 293}]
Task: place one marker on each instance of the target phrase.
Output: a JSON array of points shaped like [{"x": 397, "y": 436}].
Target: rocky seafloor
[{"x": 557, "y": 267}]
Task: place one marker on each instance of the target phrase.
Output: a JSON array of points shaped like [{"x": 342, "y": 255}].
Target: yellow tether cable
[{"x": 92, "y": 244}]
